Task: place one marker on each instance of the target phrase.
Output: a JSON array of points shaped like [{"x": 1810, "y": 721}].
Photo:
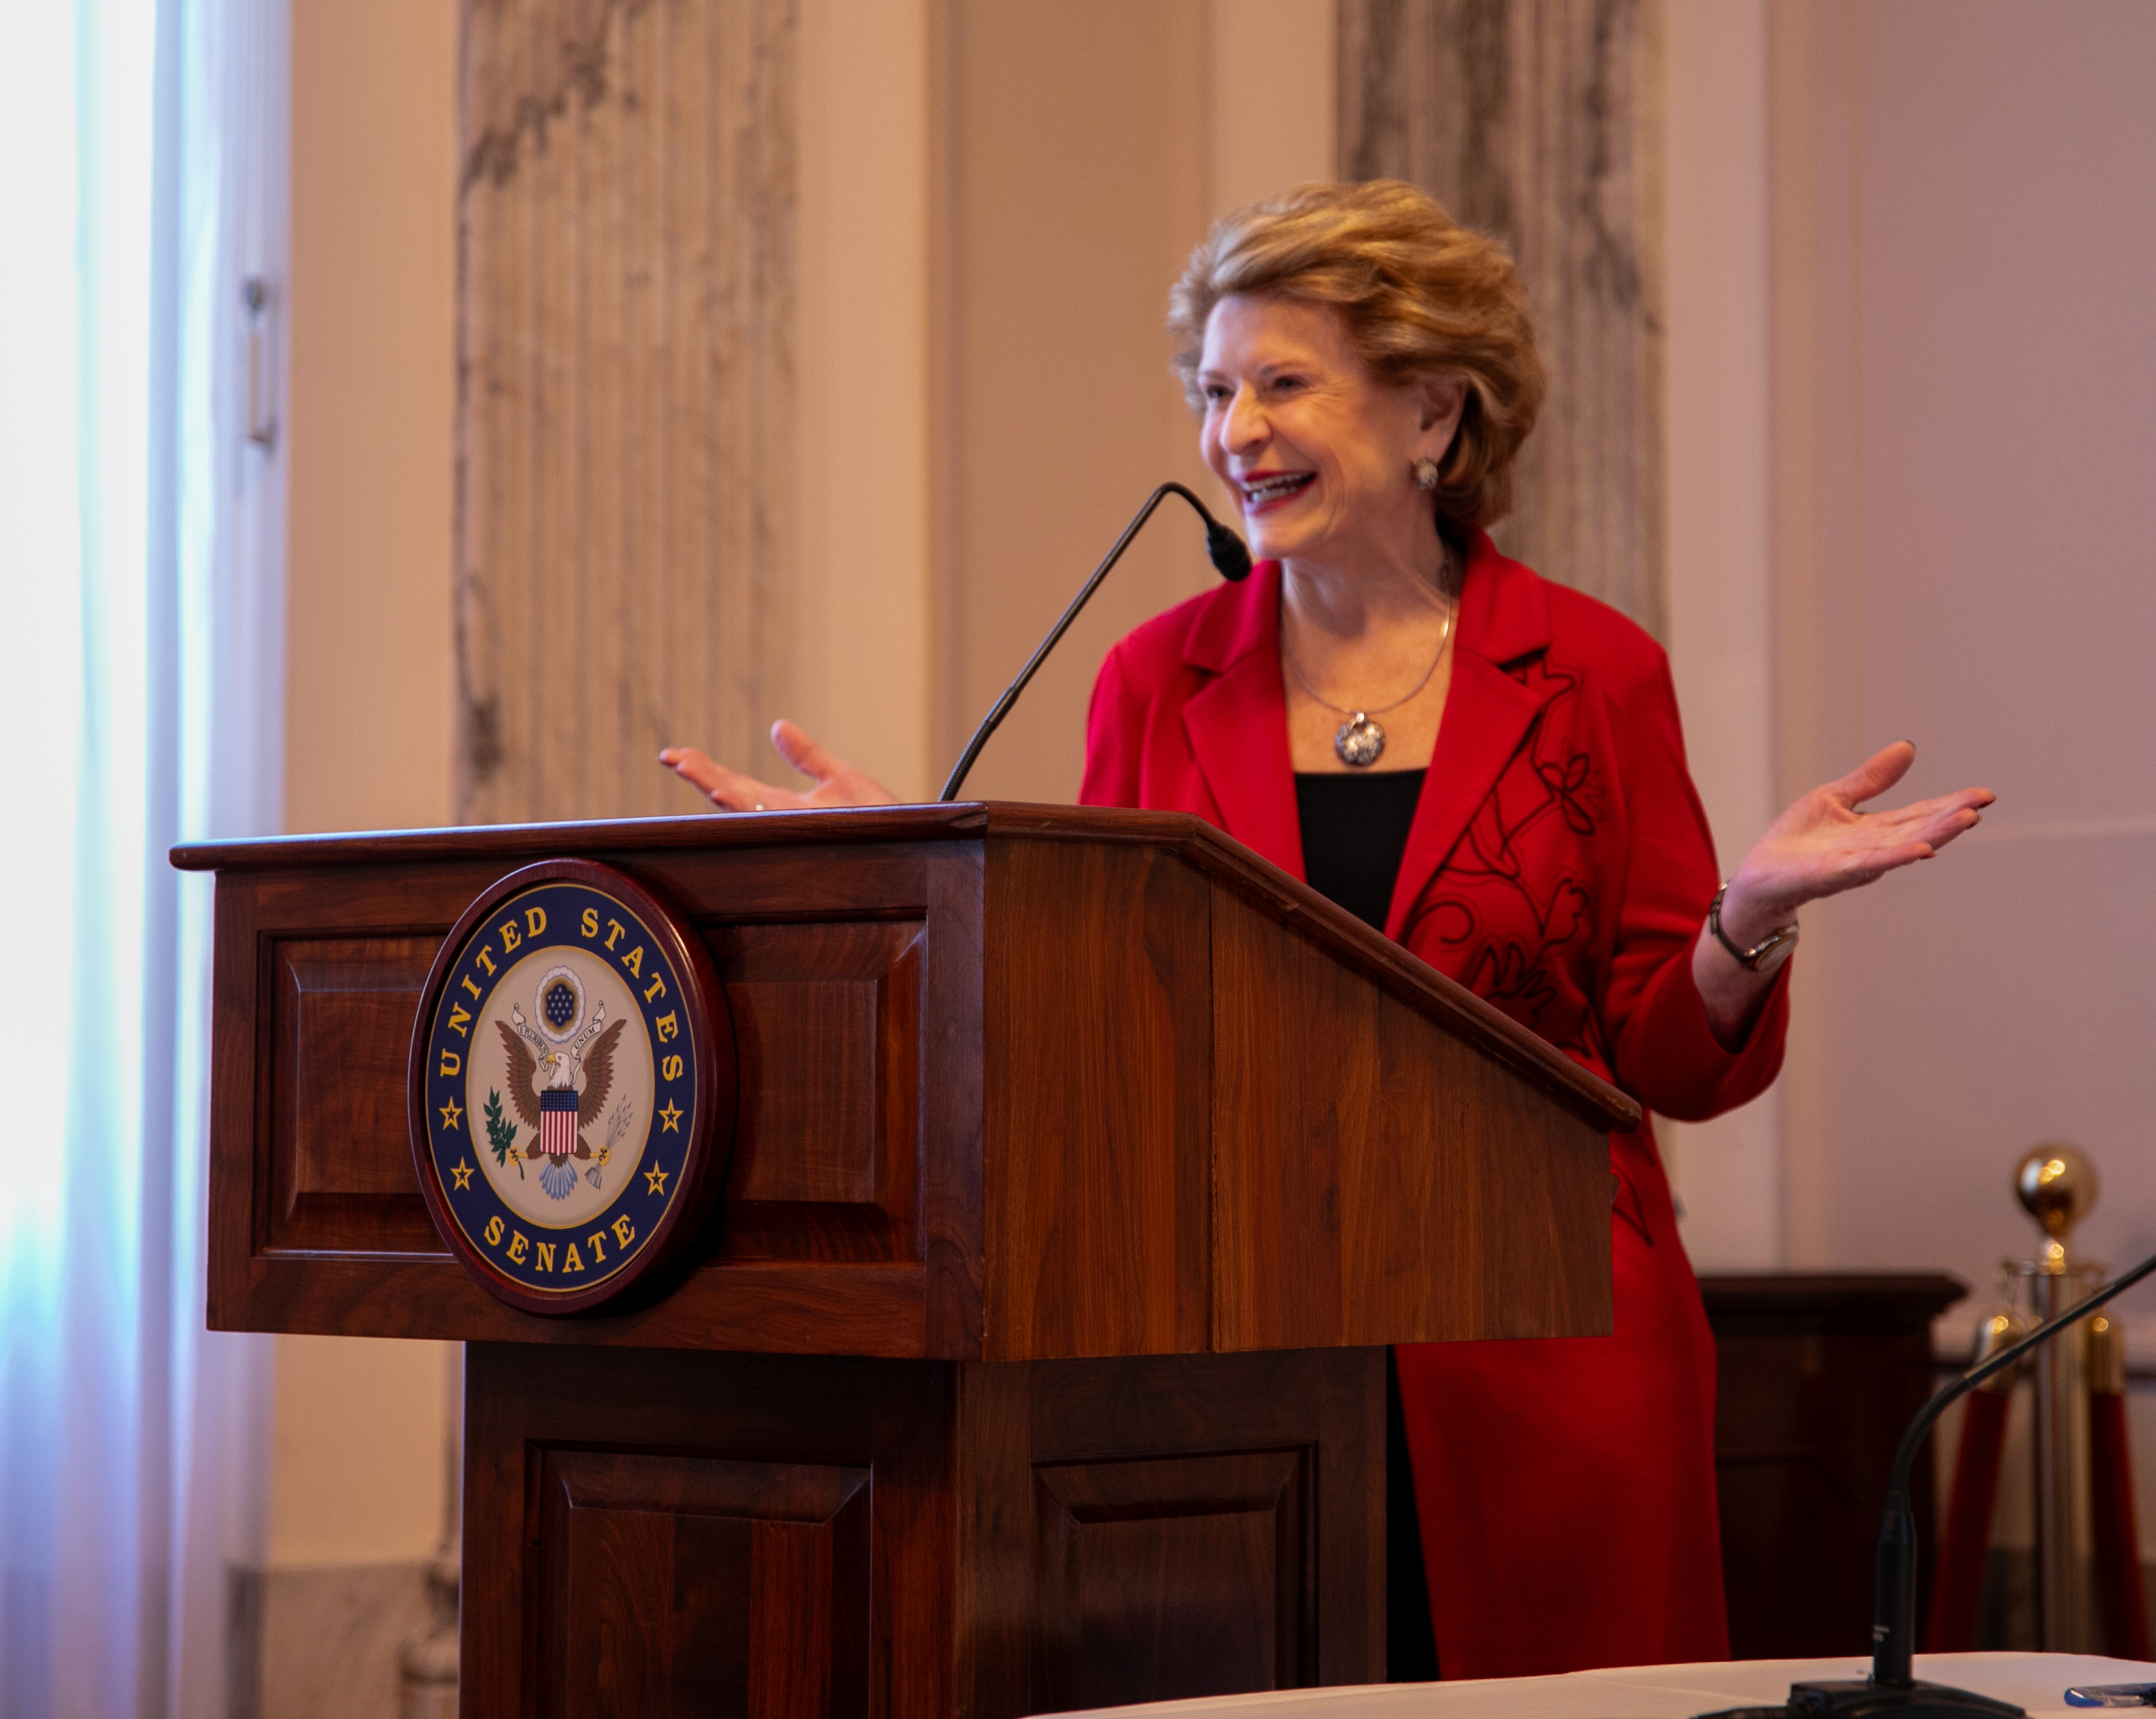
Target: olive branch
[{"x": 501, "y": 1133}]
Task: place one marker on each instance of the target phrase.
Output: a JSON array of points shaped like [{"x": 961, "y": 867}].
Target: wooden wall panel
[
  {"x": 1540, "y": 121},
  {"x": 625, "y": 328}
]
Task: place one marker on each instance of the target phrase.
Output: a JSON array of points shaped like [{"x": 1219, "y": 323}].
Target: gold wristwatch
[{"x": 1765, "y": 955}]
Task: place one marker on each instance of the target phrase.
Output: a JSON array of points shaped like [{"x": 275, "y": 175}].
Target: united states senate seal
[{"x": 572, "y": 1087}]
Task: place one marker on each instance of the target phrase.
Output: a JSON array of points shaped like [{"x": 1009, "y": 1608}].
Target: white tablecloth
[{"x": 2036, "y": 1682}]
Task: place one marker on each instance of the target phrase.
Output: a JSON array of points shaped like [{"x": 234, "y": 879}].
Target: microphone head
[{"x": 1230, "y": 554}]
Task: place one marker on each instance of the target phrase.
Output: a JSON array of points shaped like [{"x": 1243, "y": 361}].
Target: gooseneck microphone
[
  {"x": 1229, "y": 555},
  {"x": 1892, "y": 1687}
]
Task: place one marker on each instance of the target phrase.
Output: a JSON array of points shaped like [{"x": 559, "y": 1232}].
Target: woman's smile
[{"x": 1264, "y": 490}]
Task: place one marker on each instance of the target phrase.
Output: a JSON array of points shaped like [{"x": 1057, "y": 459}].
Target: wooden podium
[{"x": 1033, "y": 1359}]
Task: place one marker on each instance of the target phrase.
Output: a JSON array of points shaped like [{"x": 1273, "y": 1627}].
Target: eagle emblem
[
  {"x": 572, "y": 1087},
  {"x": 561, "y": 1069}
]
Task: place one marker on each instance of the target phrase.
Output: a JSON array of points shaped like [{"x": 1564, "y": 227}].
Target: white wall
[
  {"x": 357, "y": 1475},
  {"x": 1085, "y": 148},
  {"x": 373, "y": 394},
  {"x": 1727, "y": 1173},
  {"x": 1275, "y": 99},
  {"x": 1985, "y": 421},
  {"x": 863, "y": 408},
  {"x": 1073, "y": 415},
  {"x": 358, "y": 1471},
  {"x": 1964, "y": 381}
]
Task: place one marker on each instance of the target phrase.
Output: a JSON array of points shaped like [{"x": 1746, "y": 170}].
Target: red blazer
[{"x": 1560, "y": 865}]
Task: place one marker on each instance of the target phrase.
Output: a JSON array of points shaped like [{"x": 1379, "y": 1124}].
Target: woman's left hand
[
  {"x": 837, "y": 783},
  {"x": 1821, "y": 847}
]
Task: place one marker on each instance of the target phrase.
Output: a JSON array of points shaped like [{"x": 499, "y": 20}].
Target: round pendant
[{"x": 1359, "y": 741}]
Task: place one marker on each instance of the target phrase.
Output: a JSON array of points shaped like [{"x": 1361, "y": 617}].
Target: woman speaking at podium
[{"x": 1488, "y": 767}]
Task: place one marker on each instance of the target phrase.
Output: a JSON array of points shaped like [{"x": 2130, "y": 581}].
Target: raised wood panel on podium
[{"x": 1083, "y": 1165}]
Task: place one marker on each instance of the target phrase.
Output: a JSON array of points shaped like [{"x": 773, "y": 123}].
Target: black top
[{"x": 1355, "y": 833}]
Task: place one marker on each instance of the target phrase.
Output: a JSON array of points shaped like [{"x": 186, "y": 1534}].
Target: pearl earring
[{"x": 1425, "y": 473}]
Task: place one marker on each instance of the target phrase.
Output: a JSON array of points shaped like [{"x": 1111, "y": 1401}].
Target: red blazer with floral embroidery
[{"x": 1559, "y": 863}]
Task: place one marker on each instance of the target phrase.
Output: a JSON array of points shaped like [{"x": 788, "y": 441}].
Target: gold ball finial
[{"x": 2057, "y": 1187}]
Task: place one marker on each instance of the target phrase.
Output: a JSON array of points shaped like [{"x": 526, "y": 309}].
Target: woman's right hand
[{"x": 837, "y": 783}]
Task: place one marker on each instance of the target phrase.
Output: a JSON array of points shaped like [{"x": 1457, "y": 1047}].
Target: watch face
[{"x": 1784, "y": 947}]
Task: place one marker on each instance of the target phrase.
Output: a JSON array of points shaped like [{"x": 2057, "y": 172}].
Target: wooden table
[{"x": 2035, "y": 1681}]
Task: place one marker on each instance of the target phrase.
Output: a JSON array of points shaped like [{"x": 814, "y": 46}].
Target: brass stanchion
[{"x": 2057, "y": 1187}]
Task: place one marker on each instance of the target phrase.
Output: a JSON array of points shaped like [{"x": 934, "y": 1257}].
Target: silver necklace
[{"x": 1359, "y": 742}]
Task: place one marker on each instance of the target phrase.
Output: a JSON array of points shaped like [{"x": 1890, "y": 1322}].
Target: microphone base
[{"x": 1861, "y": 1698}]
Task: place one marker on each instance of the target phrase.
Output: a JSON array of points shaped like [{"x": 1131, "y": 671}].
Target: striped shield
[{"x": 557, "y": 1121}]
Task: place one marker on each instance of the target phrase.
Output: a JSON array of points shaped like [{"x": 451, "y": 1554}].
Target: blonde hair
[{"x": 1421, "y": 295}]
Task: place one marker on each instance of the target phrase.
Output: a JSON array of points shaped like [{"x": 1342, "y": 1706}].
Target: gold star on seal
[
  {"x": 463, "y": 1174},
  {"x": 670, "y": 1116},
  {"x": 450, "y": 1112},
  {"x": 654, "y": 1179}
]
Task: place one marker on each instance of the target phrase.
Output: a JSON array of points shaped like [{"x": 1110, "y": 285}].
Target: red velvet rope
[
  {"x": 2117, "y": 1536},
  {"x": 1965, "y": 1539}
]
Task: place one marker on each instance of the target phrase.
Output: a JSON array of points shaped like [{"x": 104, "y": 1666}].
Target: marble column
[
  {"x": 1540, "y": 121},
  {"x": 624, "y": 435}
]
